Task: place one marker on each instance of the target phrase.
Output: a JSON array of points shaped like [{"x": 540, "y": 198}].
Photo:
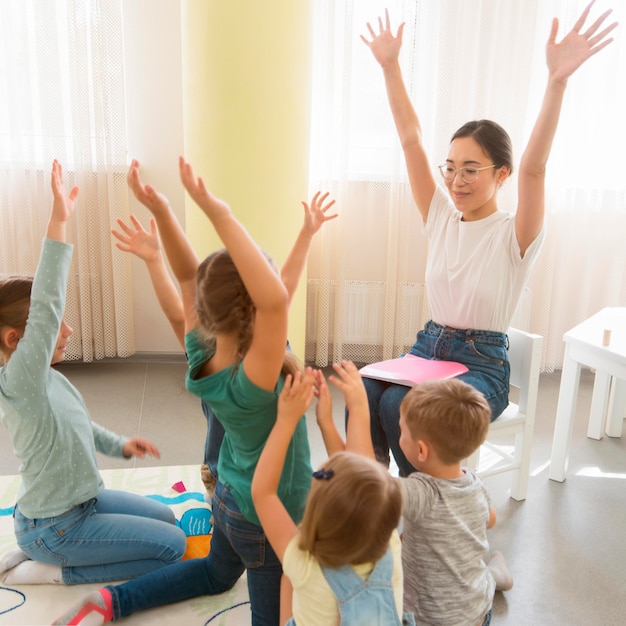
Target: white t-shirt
[
  {"x": 314, "y": 603},
  {"x": 475, "y": 274}
]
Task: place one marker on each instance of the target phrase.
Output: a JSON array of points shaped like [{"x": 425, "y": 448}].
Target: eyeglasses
[{"x": 468, "y": 175}]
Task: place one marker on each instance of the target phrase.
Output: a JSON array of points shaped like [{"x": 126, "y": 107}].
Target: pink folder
[{"x": 411, "y": 370}]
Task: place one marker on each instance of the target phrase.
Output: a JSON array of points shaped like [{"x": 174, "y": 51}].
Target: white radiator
[{"x": 361, "y": 311}]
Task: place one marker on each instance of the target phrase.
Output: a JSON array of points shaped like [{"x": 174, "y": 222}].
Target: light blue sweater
[{"x": 50, "y": 427}]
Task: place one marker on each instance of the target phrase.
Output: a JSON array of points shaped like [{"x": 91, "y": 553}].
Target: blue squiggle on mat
[
  {"x": 183, "y": 497},
  {"x": 17, "y": 606},
  {"x": 234, "y": 606},
  {"x": 7, "y": 511}
]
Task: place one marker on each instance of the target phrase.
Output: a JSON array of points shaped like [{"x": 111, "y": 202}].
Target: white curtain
[
  {"x": 62, "y": 96},
  {"x": 461, "y": 60}
]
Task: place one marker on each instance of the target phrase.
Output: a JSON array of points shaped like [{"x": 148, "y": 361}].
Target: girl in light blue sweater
[{"x": 69, "y": 528}]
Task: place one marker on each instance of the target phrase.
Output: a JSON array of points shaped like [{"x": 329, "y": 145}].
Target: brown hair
[
  {"x": 451, "y": 415},
  {"x": 350, "y": 516},
  {"x": 14, "y": 302},
  {"x": 224, "y": 306}
]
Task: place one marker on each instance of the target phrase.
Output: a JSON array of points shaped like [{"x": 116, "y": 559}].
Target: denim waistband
[
  {"x": 82, "y": 505},
  {"x": 465, "y": 334}
]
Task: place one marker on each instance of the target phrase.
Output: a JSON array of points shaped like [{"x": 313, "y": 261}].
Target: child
[
  {"x": 235, "y": 307},
  {"x": 146, "y": 245},
  {"x": 69, "y": 529},
  {"x": 446, "y": 508},
  {"x": 344, "y": 562}
]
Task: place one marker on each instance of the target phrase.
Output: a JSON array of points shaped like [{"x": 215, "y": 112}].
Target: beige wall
[{"x": 227, "y": 84}]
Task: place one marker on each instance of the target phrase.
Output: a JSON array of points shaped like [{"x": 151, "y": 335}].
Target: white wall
[{"x": 153, "y": 79}]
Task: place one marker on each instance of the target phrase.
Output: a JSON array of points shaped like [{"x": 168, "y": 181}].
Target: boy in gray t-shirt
[{"x": 446, "y": 508}]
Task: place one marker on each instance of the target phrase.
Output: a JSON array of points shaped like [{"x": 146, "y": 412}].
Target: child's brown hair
[
  {"x": 224, "y": 306},
  {"x": 14, "y": 303},
  {"x": 449, "y": 414},
  {"x": 351, "y": 511}
]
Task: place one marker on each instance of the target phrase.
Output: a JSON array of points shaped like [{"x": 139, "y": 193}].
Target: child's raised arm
[
  {"x": 350, "y": 382},
  {"x": 264, "y": 359},
  {"x": 314, "y": 217},
  {"x": 293, "y": 401},
  {"x": 183, "y": 260},
  {"x": 147, "y": 247},
  {"x": 324, "y": 416},
  {"x": 62, "y": 205}
]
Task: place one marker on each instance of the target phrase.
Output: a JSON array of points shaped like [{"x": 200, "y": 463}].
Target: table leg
[
  {"x": 599, "y": 404},
  {"x": 617, "y": 409},
  {"x": 564, "y": 423}
]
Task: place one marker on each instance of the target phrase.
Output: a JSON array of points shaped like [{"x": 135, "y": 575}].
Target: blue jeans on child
[
  {"x": 483, "y": 352},
  {"x": 115, "y": 536},
  {"x": 237, "y": 545},
  {"x": 213, "y": 441}
]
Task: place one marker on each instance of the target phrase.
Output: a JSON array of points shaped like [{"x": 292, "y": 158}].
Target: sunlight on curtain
[
  {"x": 461, "y": 61},
  {"x": 62, "y": 96}
]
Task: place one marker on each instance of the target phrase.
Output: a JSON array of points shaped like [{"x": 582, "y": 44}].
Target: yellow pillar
[{"x": 246, "y": 83}]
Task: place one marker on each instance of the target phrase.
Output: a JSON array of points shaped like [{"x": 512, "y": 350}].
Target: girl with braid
[{"x": 235, "y": 306}]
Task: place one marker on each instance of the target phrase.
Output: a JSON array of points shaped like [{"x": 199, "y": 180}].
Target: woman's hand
[
  {"x": 565, "y": 57},
  {"x": 384, "y": 46}
]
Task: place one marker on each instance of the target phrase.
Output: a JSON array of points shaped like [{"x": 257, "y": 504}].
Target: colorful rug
[{"x": 179, "y": 487}]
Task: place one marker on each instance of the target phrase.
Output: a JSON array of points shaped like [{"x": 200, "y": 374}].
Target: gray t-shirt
[{"x": 444, "y": 544}]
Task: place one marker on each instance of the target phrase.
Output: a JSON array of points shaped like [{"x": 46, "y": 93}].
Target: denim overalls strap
[{"x": 363, "y": 602}]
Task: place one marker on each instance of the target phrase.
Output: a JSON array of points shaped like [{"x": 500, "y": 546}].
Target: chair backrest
[{"x": 525, "y": 361}]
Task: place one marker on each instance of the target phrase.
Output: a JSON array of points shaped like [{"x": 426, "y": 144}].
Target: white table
[{"x": 583, "y": 346}]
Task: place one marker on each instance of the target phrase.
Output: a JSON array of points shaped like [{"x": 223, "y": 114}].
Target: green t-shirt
[{"x": 248, "y": 414}]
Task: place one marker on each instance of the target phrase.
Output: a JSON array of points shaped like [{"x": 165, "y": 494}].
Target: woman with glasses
[{"x": 479, "y": 257}]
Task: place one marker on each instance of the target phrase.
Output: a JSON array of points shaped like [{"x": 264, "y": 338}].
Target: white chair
[{"x": 518, "y": 419}]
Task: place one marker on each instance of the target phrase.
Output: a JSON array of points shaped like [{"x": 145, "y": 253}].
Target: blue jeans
[
  {"x": 237, "y": 545},
  {"x": 115, "y": 536},
  {"x": 483, "y": 352},
  {"x": 213, "y": 441}
]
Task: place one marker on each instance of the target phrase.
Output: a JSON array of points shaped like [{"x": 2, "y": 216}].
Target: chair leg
[{"x": 519, "y": 480}]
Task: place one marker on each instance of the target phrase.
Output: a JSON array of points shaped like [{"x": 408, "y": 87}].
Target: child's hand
[
  {"x": 350, "y": 383},
  {"x": 315, "y": 213},
  {"x": 137, "y": 446},
  {"x": 213, "y": 207},
  {"x": 324, "y": 406},
  {"x": 154, "y": 201},
  {"x": 140, "y": 242},
  {"x": 296, "y": 395},
  {"x": 62, "y": 205}
]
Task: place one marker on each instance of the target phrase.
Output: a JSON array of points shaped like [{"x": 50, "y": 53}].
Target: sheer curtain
[
  {"x": 62, "y": 96},
  {"x": 461, "y": 61}
]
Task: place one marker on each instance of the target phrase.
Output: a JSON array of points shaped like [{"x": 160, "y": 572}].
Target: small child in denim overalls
[{"x": 343, "y": 564}]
